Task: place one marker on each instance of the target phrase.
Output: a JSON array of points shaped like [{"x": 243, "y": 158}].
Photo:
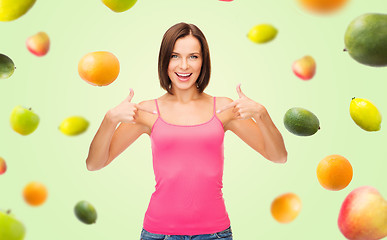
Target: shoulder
[
  {"x": 148, "y": 104},
  {"x": 221, "y": 101}
]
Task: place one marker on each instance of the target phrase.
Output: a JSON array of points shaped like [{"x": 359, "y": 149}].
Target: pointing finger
[
  {"x": 129, "y": 98},
  {"x": 145, "y": 110},
  {"x": 240, "y": 93},
  {"x": 227, "y": 107}
]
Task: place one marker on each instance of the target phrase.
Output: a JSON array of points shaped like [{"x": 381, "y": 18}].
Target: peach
[
  {"x": 305, "y": 67},
  {"x": 363, "y": 215},
  {"x": 3, "y": 166},
  {"x": 38, "y": 44}
]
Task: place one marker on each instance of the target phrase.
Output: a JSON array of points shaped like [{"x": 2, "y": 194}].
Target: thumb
[
  {"x": 239, "y": 91},
  {"x": 129, "y": 98}
]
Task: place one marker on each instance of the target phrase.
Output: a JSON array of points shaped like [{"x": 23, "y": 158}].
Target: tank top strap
[
  {"x": 157, "y": 106},
  {"x": 214, "y": 106}
]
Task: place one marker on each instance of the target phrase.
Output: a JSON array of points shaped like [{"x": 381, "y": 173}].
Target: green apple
[
  {"x": 24, "y": 121},
  {"x": 119, "y": 5},
  {"x": 10, "y": 227},
  {"x": 13, "y": 9}
]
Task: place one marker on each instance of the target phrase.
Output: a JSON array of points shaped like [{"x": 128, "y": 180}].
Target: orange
[
  {"x": 286, "y": 207},
  {"x": 99, "y": 68},
  {"x": 35, "y": 193},
  {"x": 334, "y": 172},
  {"x": 322, "y": 6}
]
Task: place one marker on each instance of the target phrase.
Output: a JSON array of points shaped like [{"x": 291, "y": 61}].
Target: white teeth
[{"x": 184, "y": 75}]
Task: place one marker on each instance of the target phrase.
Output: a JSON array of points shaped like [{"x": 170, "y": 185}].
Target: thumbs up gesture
[
  {"x": 244, "y": 107},
  {"x": 126, "y": 111}
]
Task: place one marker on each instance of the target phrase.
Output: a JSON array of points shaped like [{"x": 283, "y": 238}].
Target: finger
[
  {"x": 227, "y": 107},
  {"x": 146, "y": 110},
  {"x": 129, "y": 98},
  {"x": 239, "y": 91}
]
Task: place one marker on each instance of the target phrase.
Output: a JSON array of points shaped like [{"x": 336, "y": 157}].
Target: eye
[
  {"x": 174, "y": 56},
  {"x": 194, "y": 57}
]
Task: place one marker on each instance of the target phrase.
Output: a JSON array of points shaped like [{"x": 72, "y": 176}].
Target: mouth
[{"x": 183, "y": 76}]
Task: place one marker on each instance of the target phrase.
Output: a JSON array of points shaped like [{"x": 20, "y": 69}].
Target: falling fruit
[
  {"x": 35, "y": 193},
  {"x": 24, "y": 121},
  {"x": 322, "y": 6},
  {"x": 85, "y": 212},
  {"x": 99, "y": 68},
  {"x": 286, "y": 207},
  {"x": 74, "y": 125},
  {"x": 365, "y": 39},
  {"x": 38, "y": 44},
  {"x": 119, "y": 5},
  {"x": 301, "y": 122},
  {"x": 3, "y": 167},
  {"x": 365, "y": 114},
  {"x": 10, "y": 227},
  {"x": 334, "y": 172},
  {"x": 363, "y": 215},
  {"x": 7, "y": 67},
  {"x": 262, "y": 33},
  {"x": 304, "y": 68},
  {"x": 13, "y": 9}
]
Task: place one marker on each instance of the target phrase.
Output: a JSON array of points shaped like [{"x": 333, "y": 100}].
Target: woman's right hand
[{"x": 126, "y": 111}]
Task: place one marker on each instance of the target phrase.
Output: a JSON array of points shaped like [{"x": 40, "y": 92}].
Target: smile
[{"x": 183, "y": 76}]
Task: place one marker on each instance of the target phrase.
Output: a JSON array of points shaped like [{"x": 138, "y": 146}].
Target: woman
[{"x": 186, "y": 127}]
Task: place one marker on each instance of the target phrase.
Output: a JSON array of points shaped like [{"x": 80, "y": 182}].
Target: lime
[{"x": 85, "y": 212}]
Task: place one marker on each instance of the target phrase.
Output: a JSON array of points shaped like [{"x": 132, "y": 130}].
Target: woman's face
[{"x": 185, "y": 63}]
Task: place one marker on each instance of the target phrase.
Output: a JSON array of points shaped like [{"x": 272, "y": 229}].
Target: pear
[
  {"x": 119, "y": 5},
  {"x": 13, "y": 9},
  {"x": 363, "y": 215}
]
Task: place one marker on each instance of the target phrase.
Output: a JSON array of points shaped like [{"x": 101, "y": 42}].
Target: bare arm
[
  {"x": 110, "y": 140},
  {"x": 261, "y": 134}
]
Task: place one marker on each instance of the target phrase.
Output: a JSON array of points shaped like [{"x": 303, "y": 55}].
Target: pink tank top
[{"x": 188, "y": 168}]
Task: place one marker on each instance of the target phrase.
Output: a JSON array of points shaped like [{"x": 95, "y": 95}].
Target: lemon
[
  {"x": 365, "y": 114},
  {"x": 262, "y": 33},
  {"x": 73, "y": 125},
  {"x": 13, "y": 9}
]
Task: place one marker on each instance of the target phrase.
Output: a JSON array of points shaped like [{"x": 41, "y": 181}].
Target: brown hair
[{"x": 169, "y": 39}]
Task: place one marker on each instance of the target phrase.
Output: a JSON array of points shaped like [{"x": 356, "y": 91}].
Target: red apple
[
  {"x": 3, "y": 166},
  {"x": 304, "y": 68},
  {"x": 38, "y": 44},
  {"x": 363, "y": 215}
]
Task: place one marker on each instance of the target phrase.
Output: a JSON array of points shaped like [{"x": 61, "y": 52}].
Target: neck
[{"x": 186, "y": 95}]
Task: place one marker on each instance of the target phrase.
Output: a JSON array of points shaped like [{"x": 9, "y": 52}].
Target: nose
[{"x": 183, "y": 63}]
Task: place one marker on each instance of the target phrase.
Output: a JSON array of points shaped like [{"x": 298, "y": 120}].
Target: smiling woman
[{"x": 186, "y": 128}]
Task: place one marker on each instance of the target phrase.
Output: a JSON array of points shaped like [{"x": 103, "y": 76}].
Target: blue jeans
[{"x": 225, "y": 235}]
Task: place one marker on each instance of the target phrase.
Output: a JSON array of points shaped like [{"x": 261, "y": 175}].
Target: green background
[{"x": 121, "y": 191}]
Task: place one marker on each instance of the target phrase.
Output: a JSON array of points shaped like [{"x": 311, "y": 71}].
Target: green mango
[
  {"x": 301, "y": 122},
  {"x": 7, "y": 67},
  {"x": 366, "y": 39},
  {"x": 13, "y": 9}
]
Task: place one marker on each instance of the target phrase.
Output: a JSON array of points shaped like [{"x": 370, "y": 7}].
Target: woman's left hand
[{"x": 244, "y": 107}]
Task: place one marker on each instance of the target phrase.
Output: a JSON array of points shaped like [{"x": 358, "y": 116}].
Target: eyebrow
[{"x": 189, "y": 53}]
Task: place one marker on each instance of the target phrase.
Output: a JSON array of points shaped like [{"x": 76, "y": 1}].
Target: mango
[
  {"x": 13, "y": 9},
  {"x": 366, "y": 39}
]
